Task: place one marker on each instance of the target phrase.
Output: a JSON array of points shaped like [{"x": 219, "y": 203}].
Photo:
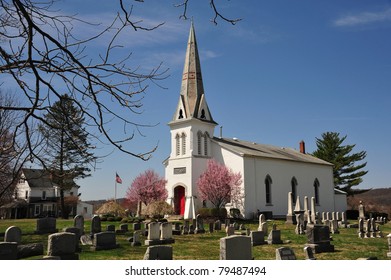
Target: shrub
[{"x": 216, "y": 213}]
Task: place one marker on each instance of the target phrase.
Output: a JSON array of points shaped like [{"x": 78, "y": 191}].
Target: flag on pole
[{"x": 118, "y": 178}]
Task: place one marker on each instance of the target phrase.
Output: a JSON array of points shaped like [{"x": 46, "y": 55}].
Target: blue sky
[{"x": 289, "y": 71}]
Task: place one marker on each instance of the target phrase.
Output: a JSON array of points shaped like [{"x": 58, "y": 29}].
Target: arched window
[
  {"x": 199, "y": 142},
  {"x": 294, "y": 188},
  {"x": 203, "y": 114},
  {"x": 183, "y": 143},
  {"x": 316, "y": 191},
  {"x": 180, "y": 114},
  {"x": 177, "y": 145},
  {"x": 268, "y": 189},
  {"x": 206, "y": 139}
]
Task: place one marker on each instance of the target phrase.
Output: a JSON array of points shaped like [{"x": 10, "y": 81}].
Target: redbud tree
[{"x": 219, "y": 185}]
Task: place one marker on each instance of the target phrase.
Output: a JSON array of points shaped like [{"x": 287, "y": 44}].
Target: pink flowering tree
[
  {"x": 219, "y": 185},
  {"x": 146, "y": 188}
]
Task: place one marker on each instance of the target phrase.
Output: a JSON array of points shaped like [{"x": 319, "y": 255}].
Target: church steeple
[{"x": 192, "y": 103}]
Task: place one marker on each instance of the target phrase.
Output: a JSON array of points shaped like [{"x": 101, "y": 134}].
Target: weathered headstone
[
  {"x": 290, "y": 217},
  {"x": 257, "y": 238},
  {"x": 30, "y": 250},
  {"x": 309, "y": 254},
  {"x": 153, "y": 234},
  {"x": 211, "y": 227},
  {"x": 230, "y": 230},
  {"x": 199, "y": 225},
  {"x": 262, "y": 220},
  {"x": 62, "y": 245},
  {"x": 305, "y": 208},
  {"x": 96, "y": 226},
  {"x": 123, "y": 228},
  {"x": 367, "y": 228},
  {"x": 78, "y": 222},
  {"x": 75, "y": 231},
  {"x": 361, "y": 230},
  {"x": 318, "y": 238},
  {"x": 314, "y": 217},
  {"x": 274, "y": 236},
  {"x": 110, "y": 228},
  {"x": 166, "y": 233},
  {"x": 158, "y": 252},
  {"x": 334, "y": 227},
  {"x": 285, "y": 253},
  {"x": 104, "y": 241},
  {"x": 46, "y": 225},
  {"x": 136, "y": 239},
  {"x": 8, "y": 250},
  {"x": 217, "y": 225},
  {"x": 13, "y": 234},
  {"x": 136, "y": 226},
  {"x": 361, "y": 210},
  {"x": 236, "y": 247}
]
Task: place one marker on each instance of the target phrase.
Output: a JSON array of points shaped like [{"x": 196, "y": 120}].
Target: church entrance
[{"x": 179, "y": 200}]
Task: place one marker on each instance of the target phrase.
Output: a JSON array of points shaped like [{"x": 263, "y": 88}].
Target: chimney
[{"x": 302, "y": 147}]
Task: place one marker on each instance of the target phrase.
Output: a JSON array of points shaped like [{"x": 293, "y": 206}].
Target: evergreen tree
[
  {"x": 347, "y": 173},
  {"x": 68, "y": 150}
]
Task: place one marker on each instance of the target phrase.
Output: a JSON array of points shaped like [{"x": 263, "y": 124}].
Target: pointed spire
[{"x": 192, "y": 103}]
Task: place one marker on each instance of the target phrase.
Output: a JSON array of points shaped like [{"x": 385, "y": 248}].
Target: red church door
[{"x": 179, "y": 200}]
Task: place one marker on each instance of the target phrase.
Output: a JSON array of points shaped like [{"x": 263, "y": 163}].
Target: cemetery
[{"x": 326, "y": 236}]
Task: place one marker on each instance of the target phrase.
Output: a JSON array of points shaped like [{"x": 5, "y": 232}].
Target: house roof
[
  {"x": 39, "y": 178},
  {"x": 252, "y": 149}
]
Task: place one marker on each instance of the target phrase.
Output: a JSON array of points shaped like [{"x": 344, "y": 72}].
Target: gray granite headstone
[
  {"x": 8, "y": 250},
  {"x": 63, "y": 245},
  {"x": 318, "y": 238},
  {"x": 236, "y": 247},
  {"x": 78, "y": 222},
  {"x": 104, "y": 241},
  {"x": 285, "y": 253},
  {"x": 257, "y": 238},
  {"x": 13, "y": 234},
  {"x": 46, "y": 225},
  {"x": 158, "y": 252},
  {"x": 96, "y": 226}
]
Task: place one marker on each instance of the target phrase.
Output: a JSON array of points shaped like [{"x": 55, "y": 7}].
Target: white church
[{"x": 269, "y": 173}]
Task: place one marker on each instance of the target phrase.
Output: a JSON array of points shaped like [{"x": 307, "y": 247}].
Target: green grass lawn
[{"x": 206, "y": 246}]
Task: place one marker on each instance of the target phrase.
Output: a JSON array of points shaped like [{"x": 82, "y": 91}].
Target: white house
[
  {"x": 37, "y": 195},
  {"x": 269, "y": 173}
]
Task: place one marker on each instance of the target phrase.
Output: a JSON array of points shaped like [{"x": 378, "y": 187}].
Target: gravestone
[
  {"x": 96, "y": 226},
  {"x": 389, "y": 245},
  {"x": 110, "y": 228},
  {"x": 361, "y": 230},
  {"x": 217, "y": 225},
  {"x": 8, "y": 250},
  {"x": 136, "y": 226},
  {"x": 158, "y": 252},
  {"x": 199, "y": 225},
  {"x": 334, "y": 227},
  {"x": 78, "y": 222},
  {"x": 136, "y": 239},
  {"x": 104, "y": 241},
  {"x": 62, "y": 245},
  {"x": 367, "y": 228},
  {"x": 230, "y": 230},
  {"x": 262, "y": 220},
  {"x": 344, "y": 220},
  {"x": 361, "y": 210},
  {"x": 309, "y": 254},
  {"x": 305, "y": 201},
  {"x": 13, "y": 234},
  {"x": 185, "y": 229},
  {"x": 30, "y": 250},
  {"x": 236, "y": 247},
  {"x": 211, "y": 227},
  {"x": 75, "y": 231},
  {"x": 314, "y": 217},
  {"x": 153, "y": 234},
  {"x": 46, "y": 225},
  {"x": 274, "y": 236},
  {"x": 290, "y": 217},
  {"x": 257, "y": 238},
  {"x": 373, "y": 228},
  {"x": 166, "y": 233},
  {"x": 123, "y": 228},
  {"x": 285, "y": 253},
  {"x": 177, "y": 229},
  {"x": 318, "y": 238}
]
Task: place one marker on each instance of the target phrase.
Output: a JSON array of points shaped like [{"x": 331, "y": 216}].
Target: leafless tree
[{"x": 42, "y": 58}]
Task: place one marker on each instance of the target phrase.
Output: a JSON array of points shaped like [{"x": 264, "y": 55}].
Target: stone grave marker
[
  {"x": 274, "y": 236},
  {"x": 96, "y": 226},
  {"x": 230, "y": 230},
  {"x": 136, "y": 226},
  {"x": 290, "y": 217},
  {"x": 75, "y": 231},
  {"x": 62, "y": 245},
  {"x": 8, "y": 250},
  {"x": 257, "y": 238},
  {"x": 309, "y": 254},
  {"x": 46, "y": 225},
  {"x": 285, "y": 253},
  {"x": 104, "y": 241},
  {"x": 78, "y": 222},
  {"x": 361, "y": 210},
  {"x": 217, "y": 225},
  {"x": 199, "y": 225},
  {"x": 122, "y": 228},
  {"x": 166, "y": 233},
  {"x": 318, "y": 238},
  {"x": 158, "y": 252},
  {"x": 110, "y": 228},
  {"x": 153, "y": 234},
  {"x": 236, "y": 247},
  {"x": 136, "y": 238},
  {"x": 13, "y": 234}
]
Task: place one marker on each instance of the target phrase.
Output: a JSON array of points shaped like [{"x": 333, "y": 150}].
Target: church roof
[
  {"x": 192, "y": 102},
  {"x": 245, "y": 148}
]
